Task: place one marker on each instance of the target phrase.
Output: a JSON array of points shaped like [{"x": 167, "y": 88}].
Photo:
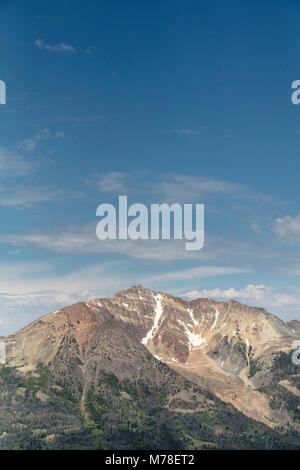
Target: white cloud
[
  {"x": 24, "y": 278},
  {"x": 91, "y": 49},
  {"x": 287, "y": 227},
  {"x": 258, "y": 295},
  {"x": 198, "y": 273},
  {"x": 62, "y": 47},
  {"x": 186, "y": 131},
  {"x": 30, "y": 144},
  {"x": 83, "y": 239},
  {"x": 12, "y": 271},
  {"x": 256, "y": 228},
  {"x": 171, "y": 186},
  {"x": 12, "y": 164},
  {"x": 182, "y": 187},
  {"x": 46, "y": 299},
  {"x": 27, "y": 197},
  {"x": 114, "y": 181}
]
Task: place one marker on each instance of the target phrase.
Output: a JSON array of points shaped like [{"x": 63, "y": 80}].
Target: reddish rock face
[{"x": 215, "y": 344}]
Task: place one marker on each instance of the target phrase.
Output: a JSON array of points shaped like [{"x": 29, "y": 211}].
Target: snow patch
[
  {"x": 216, "y": 318},
  {"x": 158, "y": 313},
  {"x": 247, "y": 351},
  {"x": 192, "y": 316},
  {"x": 157, "y": 357},
  {"x": 195, "y": 340}
]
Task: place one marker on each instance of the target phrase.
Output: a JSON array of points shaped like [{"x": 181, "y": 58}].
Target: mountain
[{"x": 146, "y": 370}]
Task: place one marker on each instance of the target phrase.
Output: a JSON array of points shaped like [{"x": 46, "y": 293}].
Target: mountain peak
[
  {"x": 134, "y": 290},
  {"x": 215, "y": 343}
]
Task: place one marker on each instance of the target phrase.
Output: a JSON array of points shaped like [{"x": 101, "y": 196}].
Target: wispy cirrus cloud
[
  {"x": 13, "y": 164},
  {"x": 200, "y": 272},
  {"x": 31, "y": 143},
  {"x": 172, "y": 186},
  {"x": 80, "y": 119},
  {"x": 11, "y": 271},
  {"x": 114, "y": 181},
  {"x": 82, "y": 239},
  {"x": 27, "y": 196},
  {"x": 62, "y": 47},
  {"x": 12, "y": 161},
  {"x": 185, "y": 187},
  {"x": 187, "y": 131}
]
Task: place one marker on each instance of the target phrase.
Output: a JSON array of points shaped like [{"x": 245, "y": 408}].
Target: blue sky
[{"x": 161, "y": 101}]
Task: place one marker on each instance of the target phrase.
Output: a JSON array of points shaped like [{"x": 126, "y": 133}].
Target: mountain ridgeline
[{"x": 146, "y": 370}]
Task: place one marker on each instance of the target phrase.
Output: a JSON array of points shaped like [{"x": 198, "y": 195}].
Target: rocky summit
[{"x": 147, "y": 370}]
